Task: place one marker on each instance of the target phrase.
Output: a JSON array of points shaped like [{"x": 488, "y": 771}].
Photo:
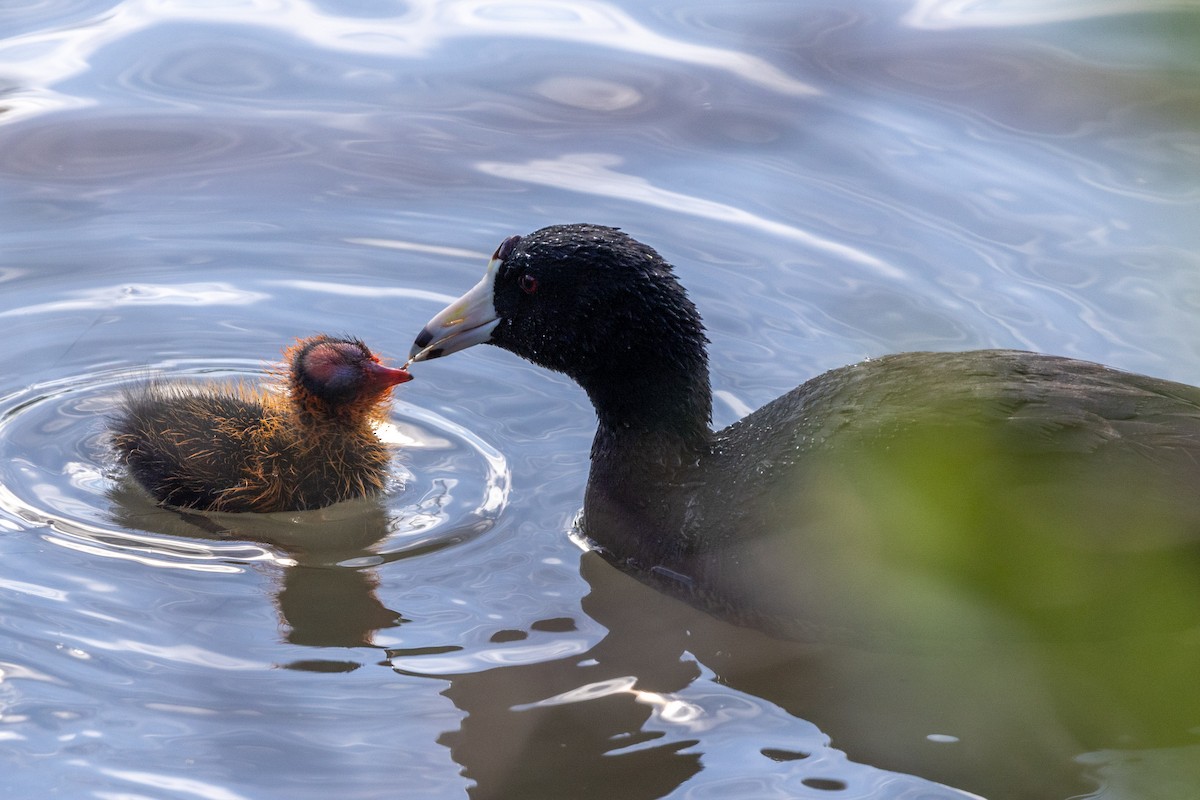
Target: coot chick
[
  {"x": 913, "y": 494},
  {"x": 234, "y": 448}
]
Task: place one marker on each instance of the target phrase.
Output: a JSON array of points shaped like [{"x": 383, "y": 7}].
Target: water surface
[{"x": 187, "y": 187}]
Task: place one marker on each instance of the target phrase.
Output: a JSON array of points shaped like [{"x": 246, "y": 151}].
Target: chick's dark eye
[{"x": 528, "y": 283}]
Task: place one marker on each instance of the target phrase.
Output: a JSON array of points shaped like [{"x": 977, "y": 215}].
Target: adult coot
[
  {"x": 910, "y": 495},
  {"x": 235, "y": 448}
]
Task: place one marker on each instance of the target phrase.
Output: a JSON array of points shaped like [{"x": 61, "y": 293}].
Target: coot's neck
[
  {"x": 652, "y": 434},
  {"x": 651, "y": 402},
  {"x": 654, "y": 385}
]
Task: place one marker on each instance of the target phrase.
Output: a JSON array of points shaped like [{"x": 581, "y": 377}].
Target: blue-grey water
[{"x": 186, "y": 187}]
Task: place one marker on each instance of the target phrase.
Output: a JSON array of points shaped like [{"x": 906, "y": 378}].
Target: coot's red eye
[{"x": 528, "y": 283}]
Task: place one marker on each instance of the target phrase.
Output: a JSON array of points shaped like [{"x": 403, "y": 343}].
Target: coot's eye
[{"x": 528, "y": 283}]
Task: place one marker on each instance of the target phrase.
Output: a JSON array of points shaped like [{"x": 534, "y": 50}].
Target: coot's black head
[
  {"x": 596, "y": 304},
  {"x": 333, "y": 375}
]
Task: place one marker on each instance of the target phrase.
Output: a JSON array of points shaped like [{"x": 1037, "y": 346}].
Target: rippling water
[{"x": 185, "y": 187}]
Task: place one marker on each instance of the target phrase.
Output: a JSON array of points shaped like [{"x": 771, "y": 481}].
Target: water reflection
[
  {"x": 592, "y": 173},
  {"x": 107, "y": 298},
  {"x": 640, "y": 714},
  {"x": 951, "y": 14},
  {"x": 67, "y": 51},
  {"x": 322, "y": 598},
  {"x": 623, "y": 714}
]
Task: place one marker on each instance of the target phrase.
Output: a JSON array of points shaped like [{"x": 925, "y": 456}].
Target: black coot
[
  {"x": 236, "y": 448},
  {"x": 910, "y": 495}
]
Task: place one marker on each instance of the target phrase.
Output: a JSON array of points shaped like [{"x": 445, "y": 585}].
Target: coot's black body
[
  {"x": 233, "y": 448},
  {"x": 812, "y": 516}
]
